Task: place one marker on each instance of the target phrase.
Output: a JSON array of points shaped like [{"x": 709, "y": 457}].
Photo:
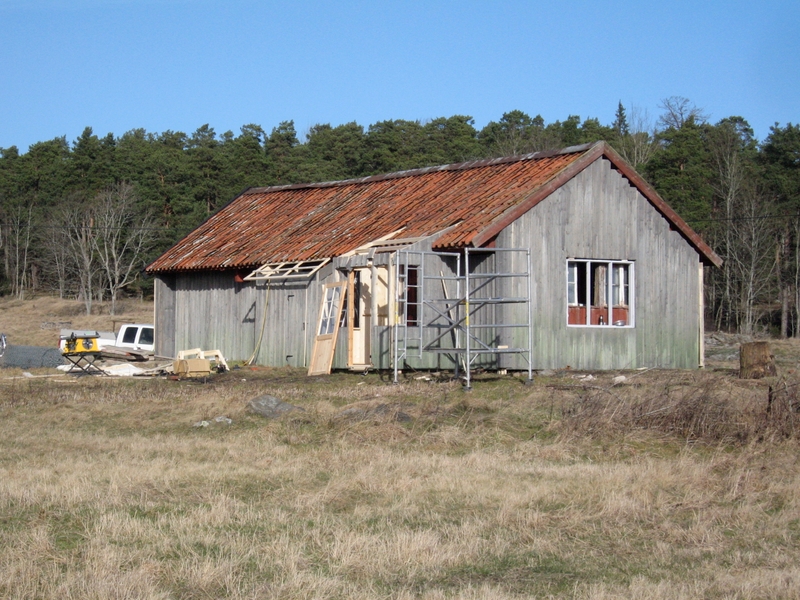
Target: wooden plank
[
  {"x": 351, "y": 306},
  {"x": 701, "y": 314}
]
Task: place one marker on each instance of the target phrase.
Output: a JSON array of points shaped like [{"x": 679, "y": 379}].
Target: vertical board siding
[
  {"x": 212, "y": 311},
  {"x": 598, "y": 215},
  {"x": 164, "y": 318},
  {"x": 483, "y": 317}
]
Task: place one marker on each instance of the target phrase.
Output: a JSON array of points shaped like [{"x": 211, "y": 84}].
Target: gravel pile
[{"x": 31, "y": 357}]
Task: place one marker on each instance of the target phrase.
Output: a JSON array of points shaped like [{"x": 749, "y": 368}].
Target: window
[
  {"x": 409, "y": 295},
  {"x": 330, "y": 310},
  {"x": 600, "y": 293},
  {"x": 146, "y": 337},
  {"x": 129, "y": 337},
  {"x": 356, "y": 291}
]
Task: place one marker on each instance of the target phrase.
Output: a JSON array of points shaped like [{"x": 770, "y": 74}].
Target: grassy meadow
[
  {"x": 108, "y": 491},
  {"x": 669, "y": 484}
]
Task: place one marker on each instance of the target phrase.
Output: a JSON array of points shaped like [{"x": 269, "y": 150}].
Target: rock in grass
[
  {"x": 270, "y": 407},
  {"x": 220, "y": 420},
  {"x": 362, "y": 411}
]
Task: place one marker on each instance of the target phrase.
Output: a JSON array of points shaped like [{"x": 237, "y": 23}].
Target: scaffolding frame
[{"x": 423, "y": 319}]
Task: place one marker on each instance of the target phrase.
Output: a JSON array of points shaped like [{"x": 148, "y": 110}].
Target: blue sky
[{"x": 117, "y": 65}]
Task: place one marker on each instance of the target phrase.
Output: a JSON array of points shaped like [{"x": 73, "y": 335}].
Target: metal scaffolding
[{"x": 458, "y": 304}]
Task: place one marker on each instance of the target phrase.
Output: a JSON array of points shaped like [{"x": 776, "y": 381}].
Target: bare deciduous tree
[
  {"x": 796, "y": 236},
  {"x": 61, "y": 265},
  {"x": 16, "y": 241},
  {"x": 534, "y": 139},
  {"x": 121, "y": 237},
  {"x": 752, "y": 256},
  {"x": 639, "y": 142},
  {"x": 725, "y": 148},
  {"x": 79, "y": 234},
  {"x": 106, "y": 240},
  {"x": 677, "y": 111}
]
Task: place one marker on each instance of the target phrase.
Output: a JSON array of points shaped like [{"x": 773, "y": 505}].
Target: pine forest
[{"x": 82, "y": 218}]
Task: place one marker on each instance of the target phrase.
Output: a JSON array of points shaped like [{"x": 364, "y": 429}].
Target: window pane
[
  {"x": 129, "y": 337},
  {"x": 572, "y": 284},
  {"x": 146, "y": 337},
  {"x": 328, "y": 320},
  {"x": 598, "y": 284}
]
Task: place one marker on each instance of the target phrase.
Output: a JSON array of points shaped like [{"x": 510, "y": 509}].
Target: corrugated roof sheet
[{"x": 303, "y": 222}]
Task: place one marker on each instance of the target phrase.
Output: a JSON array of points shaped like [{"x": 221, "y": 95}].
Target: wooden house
[{"x": 545, "y": 260}]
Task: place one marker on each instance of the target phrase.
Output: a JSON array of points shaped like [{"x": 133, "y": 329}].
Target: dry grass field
[
  {"x": 37, "y": 322},
  {"x": 666, "y": 485}
]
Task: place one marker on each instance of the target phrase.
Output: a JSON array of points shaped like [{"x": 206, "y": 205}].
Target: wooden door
[
  {"x": 359, "y": 318},
  {"x": 330, "y": 313}
]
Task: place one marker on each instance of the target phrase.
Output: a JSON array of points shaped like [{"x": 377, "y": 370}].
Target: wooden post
[
  {"x": 701, "y": 318},
  {"x": 756, "y": 361}
]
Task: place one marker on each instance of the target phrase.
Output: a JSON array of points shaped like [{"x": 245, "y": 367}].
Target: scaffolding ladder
[{"x": 432, "y": 317}]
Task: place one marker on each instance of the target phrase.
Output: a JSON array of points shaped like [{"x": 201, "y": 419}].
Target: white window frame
[
  {"x": 296, "y": 269},
  {"x": 612, "y": 287}
]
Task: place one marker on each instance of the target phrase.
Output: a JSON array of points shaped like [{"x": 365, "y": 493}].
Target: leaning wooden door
[{"x": 330, "y": 313}]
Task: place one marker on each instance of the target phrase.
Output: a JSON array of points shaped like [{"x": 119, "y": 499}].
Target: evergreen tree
[
  {"x": 620, "y": 125},
  {"x": 450, "y": 140},
  {"x": 333, "y": 152},
  {"x": 282, "y": 155},
  {"x": 393, "y": 146},
  {"x": 681, "y": 172}
]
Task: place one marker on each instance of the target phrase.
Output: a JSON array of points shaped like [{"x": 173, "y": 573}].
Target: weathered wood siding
[
  {"x": 164, "y": 321},
  {"x": 598, "y": 215},
  {"x": 211, "y": 311}
]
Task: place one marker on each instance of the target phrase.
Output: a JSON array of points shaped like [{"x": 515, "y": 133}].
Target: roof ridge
[{"x": 460, "y": 166}]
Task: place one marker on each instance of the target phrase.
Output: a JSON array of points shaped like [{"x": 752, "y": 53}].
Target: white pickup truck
[{"x": 133, "y": 336}]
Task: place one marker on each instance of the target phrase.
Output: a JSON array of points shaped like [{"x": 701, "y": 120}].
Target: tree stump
[{"x": 756, "y": 361}]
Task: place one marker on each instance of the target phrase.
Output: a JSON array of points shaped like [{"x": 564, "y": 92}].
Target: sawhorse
[{"x": 84, "y": 361}]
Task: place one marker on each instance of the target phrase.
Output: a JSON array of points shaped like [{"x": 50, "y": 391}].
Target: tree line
[{"x": 82, "y": 218}]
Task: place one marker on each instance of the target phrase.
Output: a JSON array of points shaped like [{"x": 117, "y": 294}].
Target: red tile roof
[{"x": 475, "y": 200}]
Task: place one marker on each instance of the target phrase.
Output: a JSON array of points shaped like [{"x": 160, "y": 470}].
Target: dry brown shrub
[{"x": 708, "y": 410}]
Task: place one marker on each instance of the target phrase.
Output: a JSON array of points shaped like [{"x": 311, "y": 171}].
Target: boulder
[{"x": 270, "y": 407}]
